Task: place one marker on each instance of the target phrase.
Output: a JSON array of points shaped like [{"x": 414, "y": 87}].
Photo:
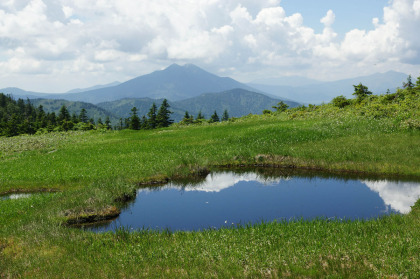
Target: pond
[
  {"x": 230, "y": 198},
  {"x": 15, "y": 196}
]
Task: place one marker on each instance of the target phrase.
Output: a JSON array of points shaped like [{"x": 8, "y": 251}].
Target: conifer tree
[
  {"x": 200, "y": 116},
  {"x": 107, "y": 123},
  {"x": 163, "y": 118},
  {"x": 144, "y": 123},
  {"x": 281, "y": 106},
  {"x": 361, "y": 91},
  {"x": 225, "y": 116},
  {"x": 64, "y": 114},
  {"x": 152, "y": 116},
  {"x": 214, "y": 117},
  {"x": 186, "y": 116},
  {"x": 83, "y": 116},
  {"x": 409, "y": 84},
  {"x": 134, "y": 120},
  {"x": 74, "y": 118}
]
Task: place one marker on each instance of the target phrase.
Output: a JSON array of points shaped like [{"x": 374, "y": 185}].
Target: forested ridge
[{"x": 22, "y": 117}]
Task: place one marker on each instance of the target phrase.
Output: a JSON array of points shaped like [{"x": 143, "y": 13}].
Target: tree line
[
  {"x": 200, "y": 118},
  {"x": 22, "y": 117}
]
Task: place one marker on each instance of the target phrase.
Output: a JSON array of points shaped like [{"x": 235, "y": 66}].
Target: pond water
[
  {"x": 15, "y": 196},
  {"x": 232, "y": 198}
]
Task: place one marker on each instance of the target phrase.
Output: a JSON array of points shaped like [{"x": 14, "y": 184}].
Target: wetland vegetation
[{"x": 96, "y": 170}]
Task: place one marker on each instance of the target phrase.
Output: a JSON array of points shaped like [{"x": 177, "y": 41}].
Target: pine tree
[
  {"x": 361, "y": 91},
  {"x": 214, "y": 117},
  {"x": 409, "y": 84},
  {"x": 83, "y": 116},
  {"x": 225, "y": 116},
  {"x": 74, "y": 118},
  {"x": 152, "y": 116},
  {"x": 281, "y": 106},
  {"x": 63, "y": 115},
  {"x": 163, "y": 118},
  {"x": 134, "y": 120},
  {"x": 107, "y": 123},
  {"x": 186, "y": 116},
  {"x": 144, "y": 123},
  {"x": 200, "y": 116}
]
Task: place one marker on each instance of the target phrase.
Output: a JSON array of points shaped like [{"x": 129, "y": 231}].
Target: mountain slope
[
  {"x": 78, "y": 90},
  {"x": 238, "y": 102},
  {"x": 95, "y": 112},
  {"x": 324, "y": 92},
  {"x": 173, "y": 83}
]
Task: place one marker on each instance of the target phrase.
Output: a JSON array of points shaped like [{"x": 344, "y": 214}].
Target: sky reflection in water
[{"x": 228, "y": 198}]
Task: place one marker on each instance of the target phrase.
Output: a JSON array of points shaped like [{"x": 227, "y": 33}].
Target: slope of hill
[
  {"x": 78, "y": 90},
  {"x": 325, "y": 91},
  {"x": 93, "y": 111},
  {"x": 173, "y": 83},
  {"x": 238, "y": 102}
]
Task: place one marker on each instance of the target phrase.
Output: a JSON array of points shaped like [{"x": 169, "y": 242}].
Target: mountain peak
[{"x": 173, "y": 66}]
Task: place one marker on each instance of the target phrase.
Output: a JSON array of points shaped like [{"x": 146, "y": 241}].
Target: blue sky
[
  {"x": 349, "y": 14},
  {"x": 58, "y": 45}
]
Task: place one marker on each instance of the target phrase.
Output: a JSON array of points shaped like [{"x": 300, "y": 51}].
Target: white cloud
[
  {"x": 400, "y": 196},
  {"x": 329, "y": 19},
  {"x": 252, "y": 37}
]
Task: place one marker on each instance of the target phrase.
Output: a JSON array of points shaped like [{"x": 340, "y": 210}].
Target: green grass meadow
[{"x": 89, "y": 171}]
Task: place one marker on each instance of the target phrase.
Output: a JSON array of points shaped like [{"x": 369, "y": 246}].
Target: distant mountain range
[
  {"x": 95, "y": 112},
  {"x": 190, "y": 88},
  {"x": 78, "y": 90},
  {"x": 237, "y": 102},
  {"x": 173, "y": 83},
  {"x": 318, "y": 92}
]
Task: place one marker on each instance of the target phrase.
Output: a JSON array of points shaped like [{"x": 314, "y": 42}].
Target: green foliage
[
  {"x": 187, "y": 119},
  {"x": 163, "y": 118},
  {"x": 361, "y": 91},
  {"x": 200, "y": 116},
  {"x": 340, "y": 101},
  {"x": 134, "y": 119},
  {"x": 281, "y": 106},
  {"x": 225, "y": 116},
  {"x": 83, "y": 116},
  {"x": 409, "y": 84},
  {"x": 214, "y": 118},
  {"x": 63, "y": 115}
]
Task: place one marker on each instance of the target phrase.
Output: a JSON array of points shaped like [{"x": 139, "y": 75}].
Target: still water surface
[
  {"x": 231, "y": 198},
  {"x": 15, "y": 196}
]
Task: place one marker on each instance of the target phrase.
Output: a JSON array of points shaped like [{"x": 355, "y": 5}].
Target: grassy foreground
[{"x": 91, "y": 170}]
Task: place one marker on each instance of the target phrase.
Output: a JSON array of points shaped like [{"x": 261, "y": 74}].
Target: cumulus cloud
[{"x": 123, "y": 39}]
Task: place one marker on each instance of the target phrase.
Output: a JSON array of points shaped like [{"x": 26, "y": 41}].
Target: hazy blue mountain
[
  {"x": 78, "y": 90},
  {"x": 23, "y": 94},
  {"x": 238, "y": 102},
  {"x": 293, "y": 81},
  {"x": 324, "y": 92},
  {"x": 95, "y": 112},
  {"x": 173, "y": 83}
]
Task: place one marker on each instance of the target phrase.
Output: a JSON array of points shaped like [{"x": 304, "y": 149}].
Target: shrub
[{"x": 340, "y": 101}]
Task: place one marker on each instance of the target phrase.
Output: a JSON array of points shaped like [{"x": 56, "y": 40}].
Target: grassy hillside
[{"x": 93, "y": 170}]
